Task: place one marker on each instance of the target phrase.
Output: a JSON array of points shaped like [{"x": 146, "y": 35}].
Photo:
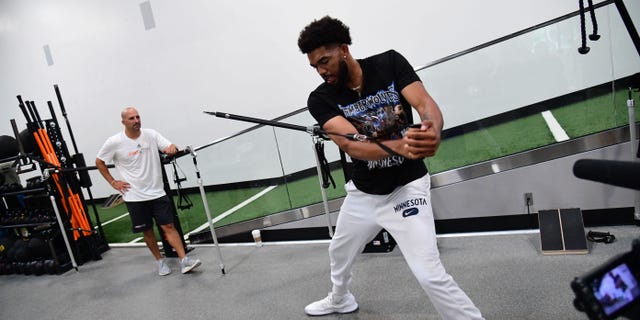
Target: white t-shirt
[{"x": 138, "y": 163}]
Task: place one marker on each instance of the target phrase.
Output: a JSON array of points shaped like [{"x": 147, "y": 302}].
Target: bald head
[
  {"x": 127, "y": 110},
  {"x": 131, "y": 122}
]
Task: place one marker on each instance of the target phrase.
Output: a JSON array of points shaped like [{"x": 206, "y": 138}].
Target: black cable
[
  {"x": 182, "y": 197},
  {"x": 583, "y": 32},
  {"x": 594, "y": 35},
  {"x": 605, "y": 237},
  {"x": 363, "y": 138},
  {"x": 387, "y": 149},
  {"x": 324, "y": 165}
]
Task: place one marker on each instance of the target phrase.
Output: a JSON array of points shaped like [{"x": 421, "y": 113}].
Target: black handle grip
[
  {"x": 64, "y": 112},
  {"x": 24, "y": 109}
]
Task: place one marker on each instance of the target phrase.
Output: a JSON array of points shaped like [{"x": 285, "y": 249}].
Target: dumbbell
[
  {"x": 33, "y": 216},
  {"x": 4, "y": 218},
  {"x": 48, "y": 214},
  {"x": 50, "y": 266},
  {"x": 12, "y": 217},
  {"x": 37, "y": 267},
  {"x": 34, "y": 183},
  {"x": 14, "y": 187},
  {"x": 8, "y": 268}
]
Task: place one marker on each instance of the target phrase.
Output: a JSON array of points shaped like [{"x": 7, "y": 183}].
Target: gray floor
[{"x": 505, "y": 275}]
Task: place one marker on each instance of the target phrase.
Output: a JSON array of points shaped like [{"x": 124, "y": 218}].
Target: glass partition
[
  {"x": 508, "y": 97},
  {"x": 523, "y": 93}
]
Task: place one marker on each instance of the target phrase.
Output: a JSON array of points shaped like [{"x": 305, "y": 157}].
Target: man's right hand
[{"x": 121, "y": 186}]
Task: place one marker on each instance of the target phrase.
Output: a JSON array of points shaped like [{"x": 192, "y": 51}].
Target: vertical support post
[
  {"x": 632, "y": 125},
  {"x": 634, "y": 157},
  {"x": 168, "y": 250},
  {"x": 63, "y": 231},
  {"x": 205, "y": 203},
  {"x": 315, "y": 139}
]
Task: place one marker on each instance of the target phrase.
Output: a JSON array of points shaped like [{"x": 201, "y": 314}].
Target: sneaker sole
[
  {"x": 188, "y": 269},
  {"x": 333, "y": 312},
  {"x": 164, "y": 273}
]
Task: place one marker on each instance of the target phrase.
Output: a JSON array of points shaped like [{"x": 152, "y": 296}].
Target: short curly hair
[{"x": 326, "y": 31}]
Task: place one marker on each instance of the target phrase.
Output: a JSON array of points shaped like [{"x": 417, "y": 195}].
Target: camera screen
[{"x": 616, "y": 289}]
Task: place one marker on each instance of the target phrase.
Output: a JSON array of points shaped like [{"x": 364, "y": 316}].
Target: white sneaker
[
  {"x": 163, "y": 268},
  {"x": 187, "y": 264},
  {"x": 332, "y": 304}
]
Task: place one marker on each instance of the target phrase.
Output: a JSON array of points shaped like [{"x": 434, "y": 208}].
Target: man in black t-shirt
[{"x": 390, "y": 185}]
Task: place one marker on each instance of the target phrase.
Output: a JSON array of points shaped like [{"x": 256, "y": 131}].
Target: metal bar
[
  {"x": 205, "y": 203},
  {"x": 64, "y": 232},
  {"x": 261, "y": 121},
  {"x": 322, "y": 190},
  {"x": 64, "y": 114},
  {"x": 628, "y": 23}
]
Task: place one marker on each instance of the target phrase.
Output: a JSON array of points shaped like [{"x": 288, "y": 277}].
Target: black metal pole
[
  {"x": 262, "y": 121},
  {"x": 64, "y": 114},
  {"x": 23, "y": 107},
  {"x": 79, "y": 162},
  {"x": 21, "y": 153},
  {"x": 628, "y": 23},
  {"x": 168, "y": 250}
]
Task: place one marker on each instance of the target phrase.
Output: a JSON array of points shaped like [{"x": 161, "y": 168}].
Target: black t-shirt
[{"x": 380, "y": 112}]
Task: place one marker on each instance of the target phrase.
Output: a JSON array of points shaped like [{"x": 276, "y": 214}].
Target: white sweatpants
[{"x": 407, "y": 215}]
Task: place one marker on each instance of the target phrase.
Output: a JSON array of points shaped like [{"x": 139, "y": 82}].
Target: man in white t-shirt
[{"x": 134, "y": 152}]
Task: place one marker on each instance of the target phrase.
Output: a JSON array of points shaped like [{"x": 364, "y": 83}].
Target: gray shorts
[{"x": 142, "y": 213}]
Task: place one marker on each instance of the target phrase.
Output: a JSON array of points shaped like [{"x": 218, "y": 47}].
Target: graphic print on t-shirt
[{"x": 380, "y": 115}]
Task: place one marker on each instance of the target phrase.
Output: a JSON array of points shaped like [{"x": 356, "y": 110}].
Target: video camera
[{"x": 611, "y": 290}]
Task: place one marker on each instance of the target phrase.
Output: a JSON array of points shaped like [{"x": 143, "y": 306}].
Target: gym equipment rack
[{"x": 45, "y": 227}]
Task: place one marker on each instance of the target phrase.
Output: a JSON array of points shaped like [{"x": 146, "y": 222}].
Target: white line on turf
[
  {"x": 135, "y": 240},
  {"x": 230, "y": 211},
  {"x": 558, "y": 133},
  {"x": 214, "y": 220},
  {"x": 115, "y": 219}
]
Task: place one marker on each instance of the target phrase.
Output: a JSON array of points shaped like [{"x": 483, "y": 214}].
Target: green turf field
[
  {"x": 281, "y": 198},
  {"x": 578, "y": 119}
]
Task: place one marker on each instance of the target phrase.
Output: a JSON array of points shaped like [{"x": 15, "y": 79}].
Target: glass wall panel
[
  {"x": 527, "y": 92},
  {"x": 531, "y": 91}
]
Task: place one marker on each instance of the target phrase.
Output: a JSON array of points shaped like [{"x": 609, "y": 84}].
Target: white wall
[
  {"x": 233, "y": 56},
  {"x": 532, "y": 68}
]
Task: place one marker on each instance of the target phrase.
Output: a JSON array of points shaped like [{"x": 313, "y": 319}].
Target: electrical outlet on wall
[{"x": 528, "y": 199}]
